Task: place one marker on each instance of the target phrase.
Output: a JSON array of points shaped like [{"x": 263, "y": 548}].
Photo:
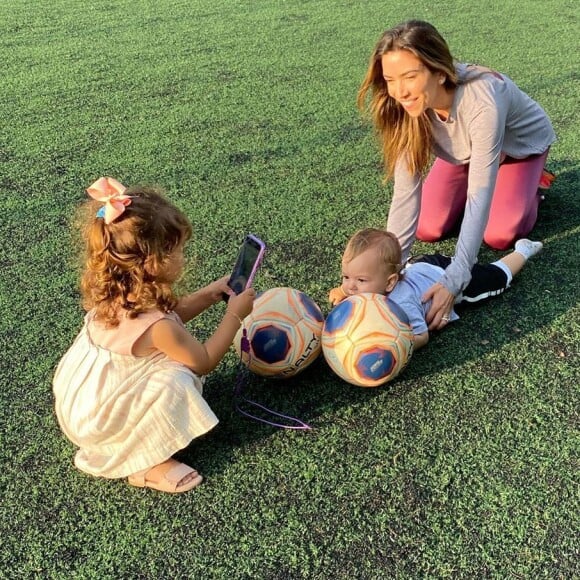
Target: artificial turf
[{"x": 465, "y": 466}]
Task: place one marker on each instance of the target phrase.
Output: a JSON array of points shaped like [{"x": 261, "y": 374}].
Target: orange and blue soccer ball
[
  {"x": 367, "y": 340},
  {"x": 284, "y": 330}
]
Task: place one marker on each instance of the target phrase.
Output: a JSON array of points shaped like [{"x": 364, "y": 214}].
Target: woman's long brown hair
[{"x": 404, "y": 137}]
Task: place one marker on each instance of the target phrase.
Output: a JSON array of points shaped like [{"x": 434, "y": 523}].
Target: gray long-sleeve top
[{"x": 490, "y": 116}]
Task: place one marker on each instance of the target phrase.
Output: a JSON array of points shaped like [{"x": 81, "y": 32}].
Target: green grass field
[{"x": 466, "y": 466}]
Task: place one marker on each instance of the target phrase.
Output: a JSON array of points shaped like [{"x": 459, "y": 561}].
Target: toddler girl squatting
[
  {"x": 128, "y": 392},
  {"x": 372, "y": 263}
]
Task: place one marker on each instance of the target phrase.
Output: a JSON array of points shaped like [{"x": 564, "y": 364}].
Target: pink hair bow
[{"x": 112, "y": 193}]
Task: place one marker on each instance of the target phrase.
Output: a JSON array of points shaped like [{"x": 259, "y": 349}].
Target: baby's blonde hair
[
  {"x": 125, "y": 265},
  {"x": 385, "y": 242}
]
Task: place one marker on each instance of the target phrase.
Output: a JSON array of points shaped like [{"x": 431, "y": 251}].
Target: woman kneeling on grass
[
  {"x": 128, "y": 392},
  {"x": 490, "y": 141}
]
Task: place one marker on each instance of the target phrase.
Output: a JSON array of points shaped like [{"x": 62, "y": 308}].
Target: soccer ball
[
  {"x": 284, "y": 331},
  {"x": 367, "y": 340}
]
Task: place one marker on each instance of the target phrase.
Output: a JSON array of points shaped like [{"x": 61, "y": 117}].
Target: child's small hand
[
  {"x": 217, "y": 289},
  {"x": 336, "y": 295},
  {"x": 241, "y": 304}
]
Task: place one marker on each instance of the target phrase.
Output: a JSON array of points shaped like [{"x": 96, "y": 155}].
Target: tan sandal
[{"x": 170, "y": 480}]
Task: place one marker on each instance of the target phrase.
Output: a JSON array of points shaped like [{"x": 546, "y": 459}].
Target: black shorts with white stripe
[{"x": 487, "y": 280}]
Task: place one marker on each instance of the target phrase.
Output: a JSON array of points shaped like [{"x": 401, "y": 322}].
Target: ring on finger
[{"x": 446, "y": 318}]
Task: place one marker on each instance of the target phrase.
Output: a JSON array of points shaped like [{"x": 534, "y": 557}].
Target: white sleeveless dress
[{"x": 126, "y": 413}]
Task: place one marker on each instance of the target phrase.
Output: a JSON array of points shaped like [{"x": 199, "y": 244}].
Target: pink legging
[{"x": 514, "y": 206}]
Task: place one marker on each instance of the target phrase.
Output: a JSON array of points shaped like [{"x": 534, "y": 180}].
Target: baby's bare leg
[{"x": 524, "y": 249}]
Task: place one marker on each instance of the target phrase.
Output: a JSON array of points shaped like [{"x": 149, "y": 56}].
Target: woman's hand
[{"x": 441, "y": 306}]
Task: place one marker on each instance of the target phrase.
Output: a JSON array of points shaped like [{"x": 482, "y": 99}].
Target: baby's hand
[
  {"x": 241, "y": 304},
  {"x": 217, "y": 289},
  {"x": 336, "y": 295}
]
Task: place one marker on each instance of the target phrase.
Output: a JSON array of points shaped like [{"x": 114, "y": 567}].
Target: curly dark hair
[{"x": 127, "y": 262}]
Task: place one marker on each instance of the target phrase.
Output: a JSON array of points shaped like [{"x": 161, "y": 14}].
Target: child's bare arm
[
  {"x": 178, "y": 344},
  {"x": 195, "y": 303},
  {"x": 420, "y": 340}
]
